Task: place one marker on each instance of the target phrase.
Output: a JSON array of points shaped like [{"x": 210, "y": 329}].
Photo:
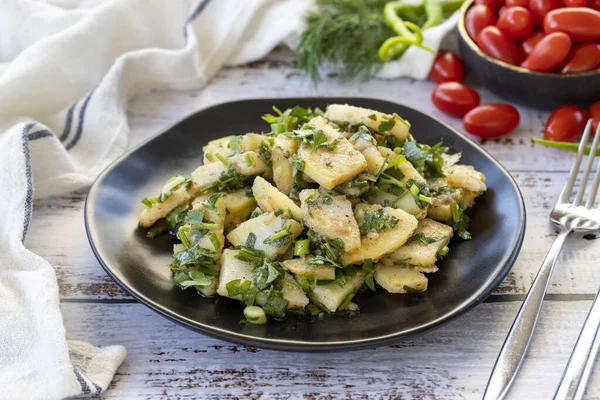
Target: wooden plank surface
[{"x": 167, "y": 361}]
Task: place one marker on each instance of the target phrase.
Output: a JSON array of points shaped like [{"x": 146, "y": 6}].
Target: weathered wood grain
[
  {"x": 57, "y": 233},
  {"x": 166, "y": 361}
]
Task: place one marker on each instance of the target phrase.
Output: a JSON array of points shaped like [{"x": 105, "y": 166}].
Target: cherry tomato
[
  {"x": 491, "y": 120},
  {"x": 549, "y": 53},
  {"x": 454, "y": 98},
  {"x": 540, "y": 8},
  {"x": 447, "y": 68},
  {"x": 565, "y": 124},
  {"x": 501, "y": 11},
  {"x": 584, "y": 57},
  {"x": 595, "y": 4},
  {"x": 580, "y": 23},
  {"x": 477, "y": 18},
  {"x": 528, "y": 44},
  {"x": 493, "y": 42},
  {"x": 493, "y": 5},
  {"x": 515, "y": 3},
  {"x": 594, "y": 114},
  {"x": 517, "y": 22},
  {"x": 575, "y": 3}
]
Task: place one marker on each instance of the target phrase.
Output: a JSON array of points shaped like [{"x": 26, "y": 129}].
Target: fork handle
[
  {"x": 517, "y": 341},
  {"x": 578, "y": 370}
]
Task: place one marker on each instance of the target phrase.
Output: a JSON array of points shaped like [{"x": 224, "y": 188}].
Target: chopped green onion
[
  {"x": 278, "y": 235},
  {"x": 443, "y": 251},
  {"x": 414, "y": 190},
  {"x": 156, "y": 231},
  {"x": 400, "y": 159},
  {"x": 248, "y": 160},
  {"x": 425, "y": 199},
  {"x": 222, "y": 158},
  {"x": 182, "y": 235},
  {"x": 255, "y": 315},
  {"x": 214, "y": 240},
  {"x": 302, "y": 247},
  {"x": 346, "y": 301},
  {"x": 205, "y": 225},
  {"x": 150, "y": 201}
]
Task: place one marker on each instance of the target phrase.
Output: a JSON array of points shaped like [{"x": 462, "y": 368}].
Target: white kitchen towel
[{"x": 67, "y": 68}]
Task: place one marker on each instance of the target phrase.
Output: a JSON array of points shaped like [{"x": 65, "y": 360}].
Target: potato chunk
[
  {"x": 331, "y": 217},
  {"x": 374, "y": 160},
  {"x": 264, "y": 227},
  {"x": 245, "y": 164},
  {"x": 332, "y": 295},
  {"x": 399, "y": 279},
  {"x": 239, "y": 200},
  {"x": 375, "y": 243},
  {"x": 405, "y": 202},
  {"x": 462, "y": 184},
  {"x": 178, "y": 197},
  {"x": 373, "y": 119},
  {"x": 327, "y": 167},
  {"x": 407, "y": 169},
  {"x": 421, "y": 250},
  {"x": 300, "y": 267},
  {"x": 252, "y": 142},
  {"x": 293, "y": 293},
  {"x": 282, "y": 153},
  {"x": 212, "y": 214},
  {"x": 232, "y": 269},
  {"x": 270, "y": 199},
  {"x": 465, "y": 176},
  {"x": 218, "y": 146}
]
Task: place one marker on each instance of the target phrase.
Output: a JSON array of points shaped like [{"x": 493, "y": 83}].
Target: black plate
[{"x": 470, "y": 272}]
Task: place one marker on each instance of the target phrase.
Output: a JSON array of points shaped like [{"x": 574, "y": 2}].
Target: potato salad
[{"x": 325, "y": 205}]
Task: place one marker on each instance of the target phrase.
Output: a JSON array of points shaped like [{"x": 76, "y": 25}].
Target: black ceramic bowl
[
  {"x": 467, "y": 275},
  {"x": 519, "y": 85}
]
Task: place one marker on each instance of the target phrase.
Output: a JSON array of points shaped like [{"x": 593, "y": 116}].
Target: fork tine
[
  {"x": 568, "y": 189},
  {"x": 588, "y": 169},
  {"x": 594, "y": 192}
]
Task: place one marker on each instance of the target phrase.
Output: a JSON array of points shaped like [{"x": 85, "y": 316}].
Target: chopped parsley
[
  {"x": 386, "y": 126},
  {"x": 235, "y": 143},
  {"x": 369, "y": 270},
  {"x": 251, "y": 240},
  {"x": 200, "y": 276},
  {"x": 459, "y": 221},
  {"x": 419, "y": 237},
  {"x": 376, "y": 220}
]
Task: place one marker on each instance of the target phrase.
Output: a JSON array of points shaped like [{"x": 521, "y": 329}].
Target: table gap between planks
[{"x": 166, "y": 361}]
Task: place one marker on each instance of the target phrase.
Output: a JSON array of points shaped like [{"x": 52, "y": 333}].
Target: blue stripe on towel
[
  {"x": 40, "y": 134},
  {"x": 199, "y": 8},
  {"x": 79, "y": 130},
  {"x": 28, "y": 177},
  {"x": 85, "y": 389},
  {"x": 68, "y": 122}
]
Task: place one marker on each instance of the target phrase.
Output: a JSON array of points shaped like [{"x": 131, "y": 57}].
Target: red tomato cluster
[
  {"x": 561, "y": 36},
  {"x": 455, "y": 98},
  {"x": 566, "y": 123}
]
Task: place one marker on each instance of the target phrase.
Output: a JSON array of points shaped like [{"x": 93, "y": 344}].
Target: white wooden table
[{"x": 167, "y": 361}]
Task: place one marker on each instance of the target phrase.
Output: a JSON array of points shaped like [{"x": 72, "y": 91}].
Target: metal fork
[{"x": 568, "y": 216}]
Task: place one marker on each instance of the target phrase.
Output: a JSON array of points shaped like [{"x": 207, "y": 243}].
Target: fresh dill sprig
[{"x": 345, "y": 34}]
